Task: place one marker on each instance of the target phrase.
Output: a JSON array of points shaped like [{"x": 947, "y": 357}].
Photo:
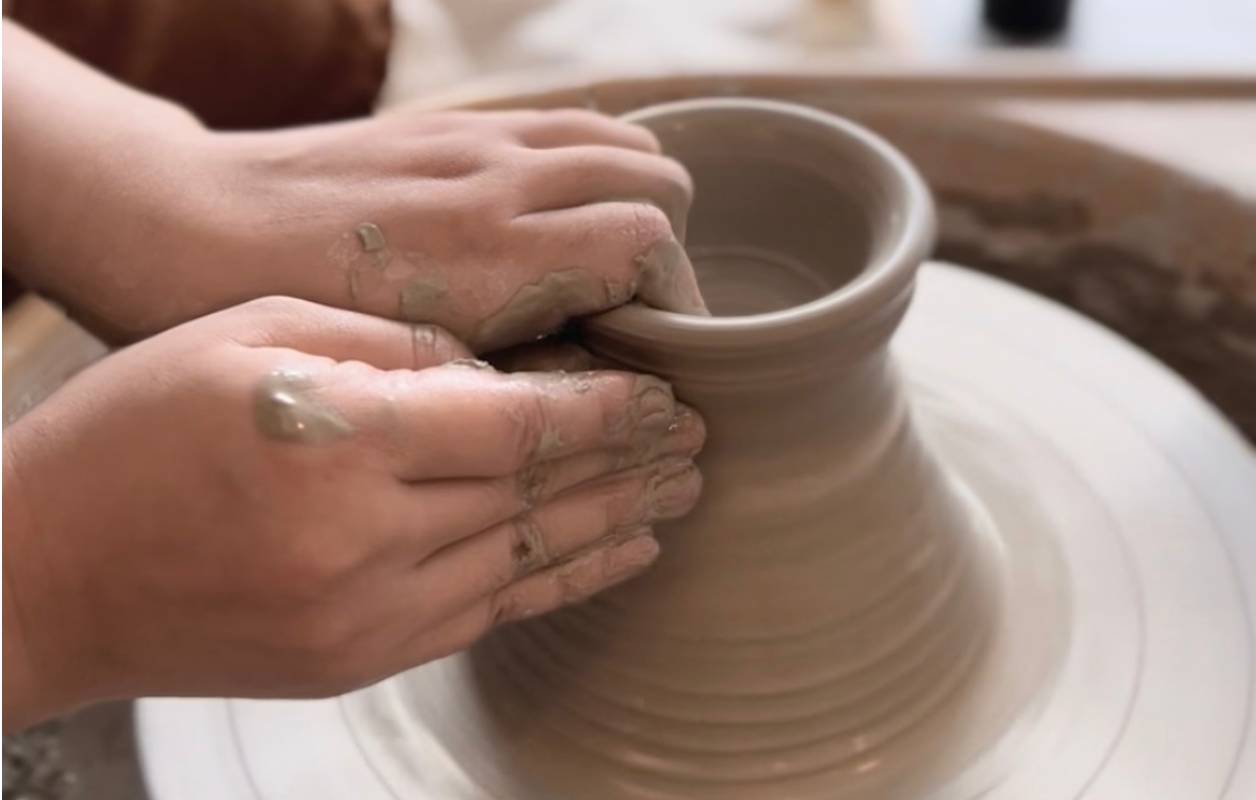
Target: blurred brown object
[{"x": 234, "y": 63}]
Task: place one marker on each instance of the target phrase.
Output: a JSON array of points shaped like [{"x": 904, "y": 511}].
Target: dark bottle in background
[{"x": 1026, "y": 19}]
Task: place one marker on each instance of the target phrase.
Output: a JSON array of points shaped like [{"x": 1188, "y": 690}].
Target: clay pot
[{"x": 834, "y": 585}]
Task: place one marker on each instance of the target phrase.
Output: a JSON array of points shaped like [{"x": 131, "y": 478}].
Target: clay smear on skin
[
  {"x": 366, "y": 257},
  {"x": 539, "y": 307},
  {"x": 542, "y": 306},
  {"x": 420, "y": 299},
  {"x": 287, "y": 406},
  {"x": 535, "y": 308},
  {"x": 349, "y": 250},
  {"x": 663, "y": 279}
]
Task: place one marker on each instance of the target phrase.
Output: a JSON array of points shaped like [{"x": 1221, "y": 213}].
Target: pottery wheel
[{"x": 1122, "y": 667}]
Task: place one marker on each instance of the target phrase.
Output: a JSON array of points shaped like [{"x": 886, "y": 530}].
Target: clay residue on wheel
[
  {"x": 287, "y": 406},
  {"x": 1049, "y": 214},
  {"x": 1184, "y": 317}
]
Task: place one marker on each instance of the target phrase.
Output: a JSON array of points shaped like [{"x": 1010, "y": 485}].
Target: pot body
[{"x": 834, "y": 584}]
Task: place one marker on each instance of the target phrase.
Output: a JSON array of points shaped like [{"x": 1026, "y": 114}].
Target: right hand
[{"x": 284, "y": 499}]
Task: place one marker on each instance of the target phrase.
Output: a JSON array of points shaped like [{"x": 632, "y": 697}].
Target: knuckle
[
  {"x": 455, "y": 156},
  {"x": 320, "y": 635},
  {"x": 623, "y": 501},
  {"x": 526, "y": 429},
  {"x": 315, "y": 572},
  {"x": 528, "y": 551},
  {"x": 647, "y": 224},
  {"x": 531, "y": 483}
]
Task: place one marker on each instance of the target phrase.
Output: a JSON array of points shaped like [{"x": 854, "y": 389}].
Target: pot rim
[{"x": 896, "y": 254}]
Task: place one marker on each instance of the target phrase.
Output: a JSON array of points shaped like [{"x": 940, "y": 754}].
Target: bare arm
[
  {"x": 90, "y": 172},
  {"x": 498, "y": 226}
]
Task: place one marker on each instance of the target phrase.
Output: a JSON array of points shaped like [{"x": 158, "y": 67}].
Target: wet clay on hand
[{"x": 287, "y": 406}]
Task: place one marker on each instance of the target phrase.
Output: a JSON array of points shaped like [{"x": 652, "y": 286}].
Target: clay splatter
[{"x": 286, "y": 406}]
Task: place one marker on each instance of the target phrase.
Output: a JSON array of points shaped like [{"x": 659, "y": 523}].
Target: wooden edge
[{"x": 992, "y": 77}]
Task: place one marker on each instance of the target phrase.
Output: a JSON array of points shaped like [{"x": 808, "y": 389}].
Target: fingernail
[
  {"x": 629, "y": 558},
  {"x": 687, "y": 430},
  {"x": 673, "y": 489}
]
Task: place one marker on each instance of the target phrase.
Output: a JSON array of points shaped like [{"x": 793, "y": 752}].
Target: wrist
[{"x": 47, "y": 664}]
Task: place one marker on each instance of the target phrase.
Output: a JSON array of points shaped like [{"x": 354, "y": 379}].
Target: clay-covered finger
[
  {"x": 617, "y": 250},
  {"x": 578, "y": 176},
  {"x": 554, "y": 530},
  {"x": 468, "y": 421},
  {"x": 574, "y": 581},
  {"x": 451, "y": 510},
  {"x": 570, "y": 126},
  {"x": 667, "y": 280},
  {"x": 540, "y": 593}
]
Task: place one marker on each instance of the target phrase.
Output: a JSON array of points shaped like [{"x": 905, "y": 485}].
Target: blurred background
[{"x": 444, "y": 41}]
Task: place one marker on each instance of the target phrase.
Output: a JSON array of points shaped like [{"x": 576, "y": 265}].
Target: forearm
[{"x": 89, "y": 165}]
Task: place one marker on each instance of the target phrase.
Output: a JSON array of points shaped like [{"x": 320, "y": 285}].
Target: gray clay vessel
[{"x": 834, "y": 586}]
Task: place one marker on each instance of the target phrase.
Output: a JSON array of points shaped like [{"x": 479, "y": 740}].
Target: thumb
[{"x": 341, "y": 335}]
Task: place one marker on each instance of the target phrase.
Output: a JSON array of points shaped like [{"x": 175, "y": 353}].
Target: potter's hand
[
  {"x": 284, "y": 499},
  {"x": 496, "y": 226}
]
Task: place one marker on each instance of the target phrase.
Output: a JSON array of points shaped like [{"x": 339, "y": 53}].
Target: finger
[
  {"x": 458, "y": 422},
  {"x": 667, "y": 280},
  {"x": 556, "y": 532},
  {"x": 629, "y": 246},
  {"x": 577, "y": 580},
  {"x": 570, "y": 126},
  {"x": 436, "y": 514},
  {"x": 577, "y": 176},
  {"x": 541, "y": 593},
  {"x": 338, "y": 334}
]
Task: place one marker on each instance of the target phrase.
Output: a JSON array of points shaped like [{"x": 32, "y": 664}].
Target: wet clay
[
  {"x": 371, "y": 237},
  {"x": 662, "y": 281},
  {"x": 540, "y": 307},
  {"x": 421, "y": 298},
  {"x": 365, "y": 248},
  {"x": 287, "y": 406}
]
